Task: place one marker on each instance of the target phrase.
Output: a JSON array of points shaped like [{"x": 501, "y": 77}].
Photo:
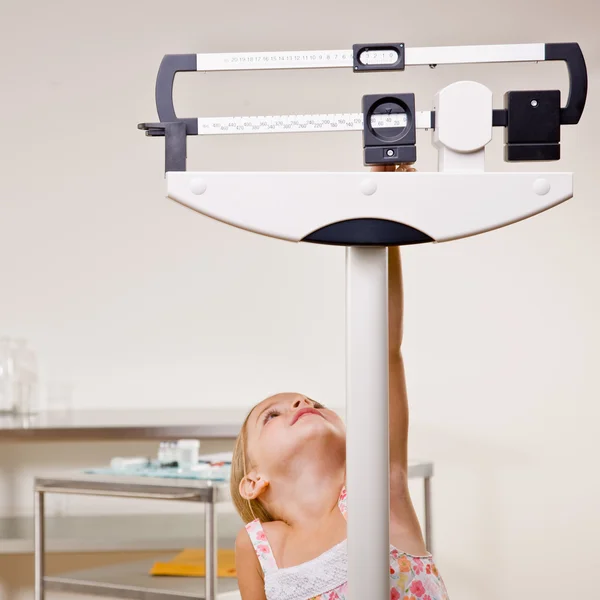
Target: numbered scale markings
[
  {"x": 305, "y": 123},
  {"x": 321, "y": 59}
]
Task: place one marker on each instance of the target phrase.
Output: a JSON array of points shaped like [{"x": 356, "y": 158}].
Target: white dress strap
[
  {"x": 263, "y": 549},
  {"x": 343, "y": 502}
]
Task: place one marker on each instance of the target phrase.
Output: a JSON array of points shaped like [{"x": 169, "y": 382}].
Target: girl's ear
[{"x": 252, "y": 486}]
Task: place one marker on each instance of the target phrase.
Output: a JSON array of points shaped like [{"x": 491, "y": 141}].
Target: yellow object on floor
[{"x": 190, "y": 563}]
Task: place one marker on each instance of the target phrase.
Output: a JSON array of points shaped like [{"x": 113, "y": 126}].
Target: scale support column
[{"x": 367, "y": 443}]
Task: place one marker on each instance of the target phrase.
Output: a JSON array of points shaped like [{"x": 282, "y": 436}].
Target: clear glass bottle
[
  {"x": 172, "y": 453},
  {"x": 25, "y": 378},
  {"x": 162, "y": 454},
  {"x": 6, "y": 377}
]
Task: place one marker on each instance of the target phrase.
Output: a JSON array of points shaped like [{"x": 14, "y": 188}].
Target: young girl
[{"x": 287, "y": 483}]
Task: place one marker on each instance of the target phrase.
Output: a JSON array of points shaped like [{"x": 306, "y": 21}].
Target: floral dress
[{"x": 325, "y": 577}]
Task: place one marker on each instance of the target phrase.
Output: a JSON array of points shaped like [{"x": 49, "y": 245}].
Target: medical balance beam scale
[{"x": 367, "y": 212}]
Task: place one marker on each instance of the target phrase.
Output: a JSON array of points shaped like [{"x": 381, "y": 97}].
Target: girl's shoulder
[
  {"x": 272, "y": 534},
  {"x": 277, "y": 533}
]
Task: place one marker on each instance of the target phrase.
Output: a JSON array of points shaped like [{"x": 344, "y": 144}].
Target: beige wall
[{"x": 142, "y": 304}]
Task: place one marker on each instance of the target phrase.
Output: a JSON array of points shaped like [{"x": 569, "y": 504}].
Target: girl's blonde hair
[{"x": 247, "y": 509}]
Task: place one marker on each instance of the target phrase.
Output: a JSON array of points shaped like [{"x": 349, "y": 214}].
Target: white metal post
[{"x": 367, "y": 446}]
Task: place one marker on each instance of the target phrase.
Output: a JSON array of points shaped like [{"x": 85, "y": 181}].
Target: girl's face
[{"x": 283, "y": 427}]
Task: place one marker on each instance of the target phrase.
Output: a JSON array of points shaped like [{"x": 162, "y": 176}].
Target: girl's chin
[{"x": 313, "y": 431}]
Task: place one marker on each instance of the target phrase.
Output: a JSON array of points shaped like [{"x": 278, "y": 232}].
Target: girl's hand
[{"x": 401, "y": 168}]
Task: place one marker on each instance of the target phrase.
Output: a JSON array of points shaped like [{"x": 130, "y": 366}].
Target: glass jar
[
  {"x": 25, "y": 378},
  {"x": 6, "y": 377}
]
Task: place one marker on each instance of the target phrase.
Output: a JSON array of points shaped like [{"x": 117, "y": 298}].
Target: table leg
[
  {"x": 210, "y": 560},
  {"x": 39, "y": 545},
  {"x": 427, "y": 499}
]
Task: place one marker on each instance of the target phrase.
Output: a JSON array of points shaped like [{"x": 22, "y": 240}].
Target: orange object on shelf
[{"x": 190, "y": 563}]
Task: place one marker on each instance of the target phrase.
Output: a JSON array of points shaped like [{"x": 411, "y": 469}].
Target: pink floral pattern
[
  {"x": 418, "y": 566},
  {"x": 261, "y": 546},
  {"x": 411, "y": 577},
  {"x": 343, "y": 502},
  {"x": 417, "y": 588}
]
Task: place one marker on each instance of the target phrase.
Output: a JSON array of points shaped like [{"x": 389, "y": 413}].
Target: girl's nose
[{"x": 300, "y": 400}]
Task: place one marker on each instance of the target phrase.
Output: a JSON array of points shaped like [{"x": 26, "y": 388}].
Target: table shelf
[{"x": 131, "y": 581}]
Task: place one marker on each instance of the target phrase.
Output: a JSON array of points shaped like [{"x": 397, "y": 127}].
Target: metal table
[
  {"x": 103, "y": 425},
  {"x": 206, "y": 492},
  {"x": 131, "y": 580}
]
